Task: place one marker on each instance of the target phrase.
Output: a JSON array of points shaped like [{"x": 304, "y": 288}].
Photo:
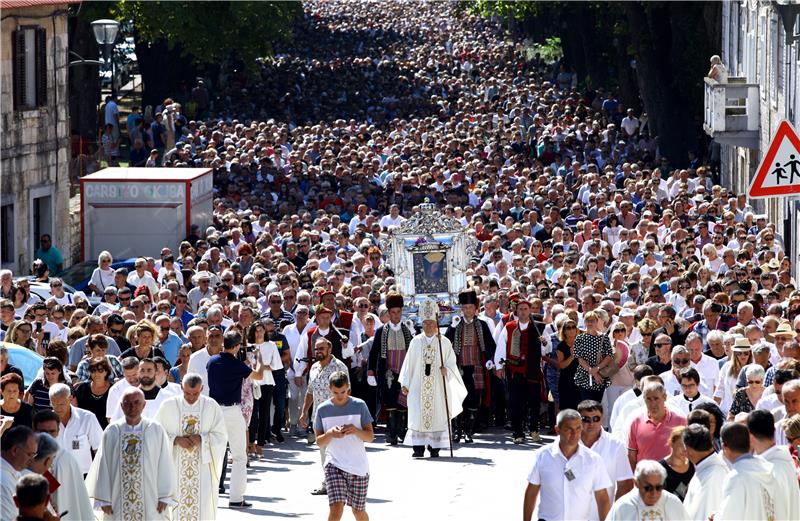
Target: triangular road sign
[{"x": 779, "y": 171}]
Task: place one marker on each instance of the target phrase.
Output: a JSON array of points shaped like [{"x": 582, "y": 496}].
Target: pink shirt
[{"x": 650, "y": 439}]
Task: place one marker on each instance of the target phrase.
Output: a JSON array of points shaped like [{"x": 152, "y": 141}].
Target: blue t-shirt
[
  {"x": 346, "y": 453},
  {"x": 52, "y": 257}
]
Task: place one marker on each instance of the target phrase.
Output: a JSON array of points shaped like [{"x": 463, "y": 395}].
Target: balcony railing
[{"x": 732, "y": 112}]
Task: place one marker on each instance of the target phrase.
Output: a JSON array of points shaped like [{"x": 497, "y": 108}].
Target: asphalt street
[{"x": 484, "y": 480}]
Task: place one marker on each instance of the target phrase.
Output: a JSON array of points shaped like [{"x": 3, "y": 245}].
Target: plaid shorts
[{"x": 344, "y": 487}]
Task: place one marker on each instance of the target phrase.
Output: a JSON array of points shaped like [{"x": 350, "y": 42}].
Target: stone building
[
  {"x": 34, "y": 163},
  {"x": 763, "y": 88}
]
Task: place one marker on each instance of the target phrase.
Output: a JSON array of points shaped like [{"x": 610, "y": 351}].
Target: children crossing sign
[{"x": 779, "y": 172}]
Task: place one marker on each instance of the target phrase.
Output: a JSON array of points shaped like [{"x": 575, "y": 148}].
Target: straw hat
[
  {"x": 784, "y": 329},
  {"x": 742, "y": 344}
]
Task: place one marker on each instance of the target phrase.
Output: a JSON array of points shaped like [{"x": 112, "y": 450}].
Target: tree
[
  {"x": 669, "y": 42},
  {"x": 175, "y": 42}
]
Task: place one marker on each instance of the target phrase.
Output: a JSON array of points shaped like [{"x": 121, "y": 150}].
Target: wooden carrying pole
[{"x": 444, "y": 386}]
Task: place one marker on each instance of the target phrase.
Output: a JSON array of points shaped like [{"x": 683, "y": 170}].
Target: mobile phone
[{"x": 38, "y": 326}]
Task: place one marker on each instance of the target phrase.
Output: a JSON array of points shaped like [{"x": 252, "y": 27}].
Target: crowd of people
[{"x": 617, "y": 299}]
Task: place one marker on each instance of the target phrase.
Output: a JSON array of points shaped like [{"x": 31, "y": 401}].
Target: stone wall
[{"x": 35, "y": 143}]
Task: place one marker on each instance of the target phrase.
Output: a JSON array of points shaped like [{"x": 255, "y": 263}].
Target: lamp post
[{"x": 105, "y": 32}]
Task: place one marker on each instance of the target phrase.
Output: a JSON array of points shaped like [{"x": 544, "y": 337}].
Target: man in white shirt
[
  {"x": 680, "y": 361},
  {"x": 613, "y": 452},
  {"x": 393, "y": 219},
  {"x": 201, "y": 291},
  {"x": 648, "y": 500},
  {"x": 706, "y": 366},
  {"x": 564, "y": 474},
  {"x": 19, "y": 449},
  {"x": 761, "y": 425},
  {"x": 294, "y": 334},
  {"x": 704, "y": 494},
  {"x": 80, "y": 431},
  {"x": 140, "y": 276},
  {"x": 199, "y": 359}
]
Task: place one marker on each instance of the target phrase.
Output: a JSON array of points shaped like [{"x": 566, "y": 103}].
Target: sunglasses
[
  {"x": 754, "y": 382},
  {"x": 590, "y": 419},
  {"x": 651, "y": 488},
  {"x": 662, "y": 344},
  {"x": 681, "y": 361}
]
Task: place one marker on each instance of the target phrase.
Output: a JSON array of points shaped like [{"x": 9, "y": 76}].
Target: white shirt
[
  {"x": 81, "y": 435},
  {"x": 673, "y": 386},
  {"x": 559, "y": 497},
  {"x": 8, "y": 488},
  {"x": 147, "y": 279},
  {"x": 272, "y": 358},
  {"x": 614, "y": 454},
  {"x": 115, "y": 396},
  {"x": 197, "y": 364},
  {"x": 293, "y": 336},
  {"x": 708, "y": 368},
  {"x": 501, "y": 340}
]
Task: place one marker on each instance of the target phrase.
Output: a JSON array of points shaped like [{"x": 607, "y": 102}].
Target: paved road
[{"x": 484, "y": 480}]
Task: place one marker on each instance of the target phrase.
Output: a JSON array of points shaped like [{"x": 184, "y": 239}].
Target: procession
[{"x": 435, "y": 275}]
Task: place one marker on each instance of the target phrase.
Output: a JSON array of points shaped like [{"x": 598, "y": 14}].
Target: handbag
[{"x": 612, "y": 368}]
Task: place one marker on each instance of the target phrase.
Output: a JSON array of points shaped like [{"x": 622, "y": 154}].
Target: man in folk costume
[
  {"x": 341, "y": 319},
  {"x": 324, "y": 328},
  {"x": 195, "y": 425},
  {"x": 430, "y": 364},
  {"x": 385, "y": 362},
  {"x": 474, "y": 347},
  {"x": 519, "y": 350},
  {"x": 132, "y": 476}
]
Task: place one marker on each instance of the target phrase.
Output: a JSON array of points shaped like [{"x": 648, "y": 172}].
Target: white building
[
  {"x": 34, "y": 176},
  {"x": 762, "y": 90}
]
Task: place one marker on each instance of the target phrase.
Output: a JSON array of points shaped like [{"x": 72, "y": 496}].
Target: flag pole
[{"x": 444, "y": 386}]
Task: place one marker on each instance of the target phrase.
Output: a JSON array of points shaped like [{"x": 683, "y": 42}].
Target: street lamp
[{"x": 105, "y": 32}]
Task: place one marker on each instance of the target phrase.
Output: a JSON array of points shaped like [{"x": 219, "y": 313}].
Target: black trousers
[
  {"x": 260, "y": 422},
  {"x": 525, "y": 399}
]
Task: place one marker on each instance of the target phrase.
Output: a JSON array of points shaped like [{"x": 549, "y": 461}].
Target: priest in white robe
[
  {"x": 749, "y": 492},
  {"x": 430, "y": 363},
  {"x": 647, "y": 501},
  {"x": 71, "y": 496},
  {"x": 154, "y": 394},
  {"x": 704, "y": 494},
  {"x": 196, "y": 428},
  {"x": 132, "y": 476},
  {"x": 762, "y": 440}
]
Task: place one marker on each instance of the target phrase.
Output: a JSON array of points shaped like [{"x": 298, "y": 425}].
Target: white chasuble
[
  {"x": 421, "y": 375},
  {"x": 132, "y": 472},
  {"x": 197, "y": 469}
]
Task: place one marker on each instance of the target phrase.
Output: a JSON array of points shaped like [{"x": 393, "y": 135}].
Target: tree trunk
[{"x": 84, "y": 80}]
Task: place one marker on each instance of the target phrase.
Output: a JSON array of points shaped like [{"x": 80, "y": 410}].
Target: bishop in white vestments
[
  {"x": 196, "y": 428},
  {"x": 132, "y": 476},
  {"x": 430, "y": 363},
  {"x": 706, "y": 487}
]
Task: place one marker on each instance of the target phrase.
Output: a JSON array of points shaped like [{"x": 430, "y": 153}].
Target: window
[
  {"x": 29, "y": 49},
  {"x": 42, "y": 219},
  {"x": 772, "y": 57},
  {"x": 7, "y": 234}
]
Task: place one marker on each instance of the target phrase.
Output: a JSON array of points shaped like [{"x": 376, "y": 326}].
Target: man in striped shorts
[{"x": 342, "y": 425}]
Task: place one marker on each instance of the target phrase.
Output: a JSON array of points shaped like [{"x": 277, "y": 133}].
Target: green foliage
[
  {"x": 550, "y": 50},
  {"x": 210, "y": 32},
  {"x": 512, "y": 9}
]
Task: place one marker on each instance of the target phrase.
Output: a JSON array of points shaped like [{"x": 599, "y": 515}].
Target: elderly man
[
  {"x": 749, "y": 491},
  {"x": 32, "y": 496},
  {"x": 661, "y": 362},
  {"x": 565, "y": 473},
  {"x": 680, "y": 359},
  {"x": 199, "y": 360},
  {"x": 649, "y": 433},
  {"x": 648, "y": 500},
  {"x": 80, "y": 431},
  {"x": 133, "y": 474},
  {"x": 429, "y": 365},
  {"x": 704, "y": 494},
  {"x": 72, "y": 499},
  {"x": 611, "y": 450},
  {"x": 19, "y": 449},
  {"x": 196, "y": 427},
  {"x": 707, "y": 366}
]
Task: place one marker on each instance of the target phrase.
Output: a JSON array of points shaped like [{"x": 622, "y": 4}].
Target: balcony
[{"x": 731, "y": 114}]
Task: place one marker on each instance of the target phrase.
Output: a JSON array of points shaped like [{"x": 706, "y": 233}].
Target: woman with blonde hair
[
  {"x": 742, "y": 355},
  {"x": 568, "y": 395},
  {"x": 594, "y": 352},
  {"x": 622, "y": 379},
  {"x": 644, "y": 348},
  {"x": 103, "y": 274}
]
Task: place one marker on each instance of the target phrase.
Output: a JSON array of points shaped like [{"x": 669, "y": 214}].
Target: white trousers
[
  {"x": 237, "y": 439},
  {"x": 297, "y": 394}
]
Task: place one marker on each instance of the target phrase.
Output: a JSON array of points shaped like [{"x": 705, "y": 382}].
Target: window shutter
[
  {"x": 41, "y": 67},
  {"x": 18, "y": 52}
]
